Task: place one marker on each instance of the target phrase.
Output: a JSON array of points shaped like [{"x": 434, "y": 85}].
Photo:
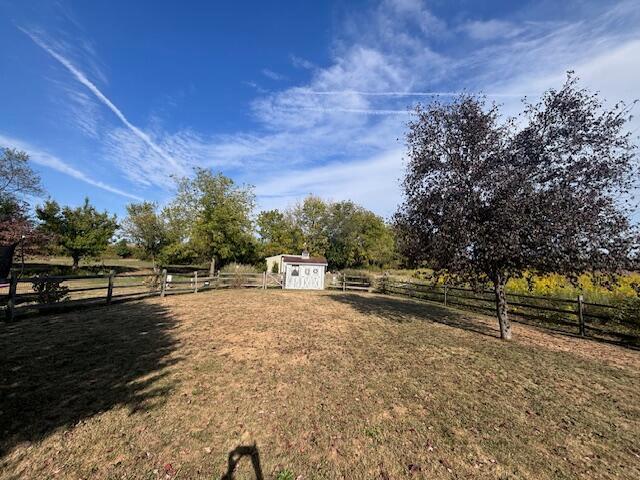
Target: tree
[
  {"x": 486, "y": 201},
  {"x": 278, "y": 234},
  {"x": 16, "y": 226},
  {"x": 310, "y": 217},
  {"x": 122, "y": 249},
  {"x": 81, "y": 231},
  {"x": 214, "y": 214},
  {"x": 17, "y": 178},
  {"x": 145, "y": 228},
  {"x": 357, "y": 237}
]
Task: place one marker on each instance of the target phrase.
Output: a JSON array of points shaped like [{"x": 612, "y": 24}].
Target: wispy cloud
[
  {"x": 491, "y": 29},
  {"x": 377, "y": 181},
  {"x": 300, "y": 62},
  {"x": 407, "y": 94},
  {"x": 336, "y": 134},
  {"x": 48, "y": 160},
  {"x": 273, "y": 75},
  {"x": 82, "y": 78}
]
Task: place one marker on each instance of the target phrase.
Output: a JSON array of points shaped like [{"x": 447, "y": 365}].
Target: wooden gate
[{"x": 274, "y": 280}]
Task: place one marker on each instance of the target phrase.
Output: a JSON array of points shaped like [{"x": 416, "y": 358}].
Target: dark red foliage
[{"x": 487, "y": 200}]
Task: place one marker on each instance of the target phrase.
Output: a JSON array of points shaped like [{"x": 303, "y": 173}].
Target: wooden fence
[
  {"x": 341, "y": 281},
  {"x": 18, "y": 296},
  {"x": 572, "y": 314}
]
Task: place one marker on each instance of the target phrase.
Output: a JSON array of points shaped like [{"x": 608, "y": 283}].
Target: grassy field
[{"x": 309, "y": 385}]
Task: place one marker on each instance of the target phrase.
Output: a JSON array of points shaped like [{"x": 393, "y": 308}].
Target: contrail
[
  {"x": 365, "y": 111},
  {"x": 402, "y": 94},
  {"x": 51, "y": 161},
  {"x": 82, "y": 78}
]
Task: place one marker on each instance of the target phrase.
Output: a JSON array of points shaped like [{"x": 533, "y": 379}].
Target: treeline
[{"x": 210, "y": 219}]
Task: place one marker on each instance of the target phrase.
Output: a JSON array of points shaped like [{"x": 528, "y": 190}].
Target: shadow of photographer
[{"x": 236, "y": 455}]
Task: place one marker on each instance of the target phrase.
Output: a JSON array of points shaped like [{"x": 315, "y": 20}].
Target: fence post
[
  {"x": 581, "y": 315},
  {"x": 344, "y": 282},
  {"x": 445, "y": 294},
  {"x": 110, "y": 287},
  {"x": 11, "y": 303},
  {"x": 195, "y": 282},
  {"x": 163, "y": 279},
  {"x": 264, "y": 280}
]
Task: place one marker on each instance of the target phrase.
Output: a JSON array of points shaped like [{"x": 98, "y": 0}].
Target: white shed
[{"x": 302, "y": 272}]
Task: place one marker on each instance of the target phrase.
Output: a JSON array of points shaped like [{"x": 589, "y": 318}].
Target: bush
[
  {"x": 49, "y": 290},
  {"x": 243, "y": 273},
  {"x": 628, "y": 311},
  {"x": 177, "y": 254},
  {"x": 122, "y": 249},
  {"x": 238, "y": 268}
]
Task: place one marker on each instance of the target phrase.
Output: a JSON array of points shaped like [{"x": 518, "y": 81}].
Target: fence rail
[
  {"x": 574, "y": 313},
  {"x": 340, "y": 281},
  {"x": 578, "y": 315},
  {"x": 18, "y": 297}
]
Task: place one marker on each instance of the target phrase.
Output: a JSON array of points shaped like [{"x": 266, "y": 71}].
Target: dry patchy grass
[{"x": 325, "y": 386}]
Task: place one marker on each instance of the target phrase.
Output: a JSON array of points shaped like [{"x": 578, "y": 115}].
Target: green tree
[
  {"x": 122, "y": 249},
  {"x": 278, "y": 234},
  {"x": 145, "y": 228},
  {"x": 311, "y": 217},
  {"x": 81, "y": 232},
  {"x": 214, "y": 214},
  {"x": 357, "y": 237}
]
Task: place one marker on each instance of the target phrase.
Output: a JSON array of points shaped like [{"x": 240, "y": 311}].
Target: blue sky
[{"x": 112, "y": 99}]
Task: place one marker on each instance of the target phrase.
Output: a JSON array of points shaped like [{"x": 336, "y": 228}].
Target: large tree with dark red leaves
[{"x": 488, "y": 200}]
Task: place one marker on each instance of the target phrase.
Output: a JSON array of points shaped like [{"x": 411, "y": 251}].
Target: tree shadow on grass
[
  {"x": 58, "y": 370},
  {"x": 405, "y": 310}
]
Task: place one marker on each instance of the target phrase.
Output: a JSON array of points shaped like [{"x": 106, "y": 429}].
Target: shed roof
[{"x": 310, "y": 260}]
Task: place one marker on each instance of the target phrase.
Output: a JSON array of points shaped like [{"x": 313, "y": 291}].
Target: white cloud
[
  {"x": 491, "y": 29},
  {"x": 300, "y": 62},
  {"x": 48, "y": 160},
  {"x": 272, "y": 75},
  {"x": 82, "y": 78},
  {"x": 372, "y": 182},
  {"x": 349, "y": 115}
]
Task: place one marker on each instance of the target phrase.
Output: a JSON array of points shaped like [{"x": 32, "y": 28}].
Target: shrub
[
  {"x": 177, "y": 254},
  {"x": 243, "y": 273},
  {"x": 238, "y": 268},
  {"x": 628, "y": 311},
  {"x": 123, "y": 250},
  {"x": 49, "y": 290}
]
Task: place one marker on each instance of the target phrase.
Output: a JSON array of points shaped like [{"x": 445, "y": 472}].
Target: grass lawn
[{"x": 325, "y": 385}]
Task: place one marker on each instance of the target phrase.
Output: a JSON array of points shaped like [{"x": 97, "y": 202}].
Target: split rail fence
[
  {"x": 570, "y": 314},
  {"x": 21, "y": 296}
]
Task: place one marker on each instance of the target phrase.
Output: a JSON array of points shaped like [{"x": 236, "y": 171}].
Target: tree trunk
[
  {"x": 501, "y": 307},
  {"x": 212, "y": 267},
  {"x": 76, "y": 261}
]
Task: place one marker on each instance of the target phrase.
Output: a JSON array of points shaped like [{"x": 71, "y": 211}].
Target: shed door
[{"x": 304, "y": 277}]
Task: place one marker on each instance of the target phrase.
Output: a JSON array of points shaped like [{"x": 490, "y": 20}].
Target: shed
[{"x": 301, "y": 272}]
